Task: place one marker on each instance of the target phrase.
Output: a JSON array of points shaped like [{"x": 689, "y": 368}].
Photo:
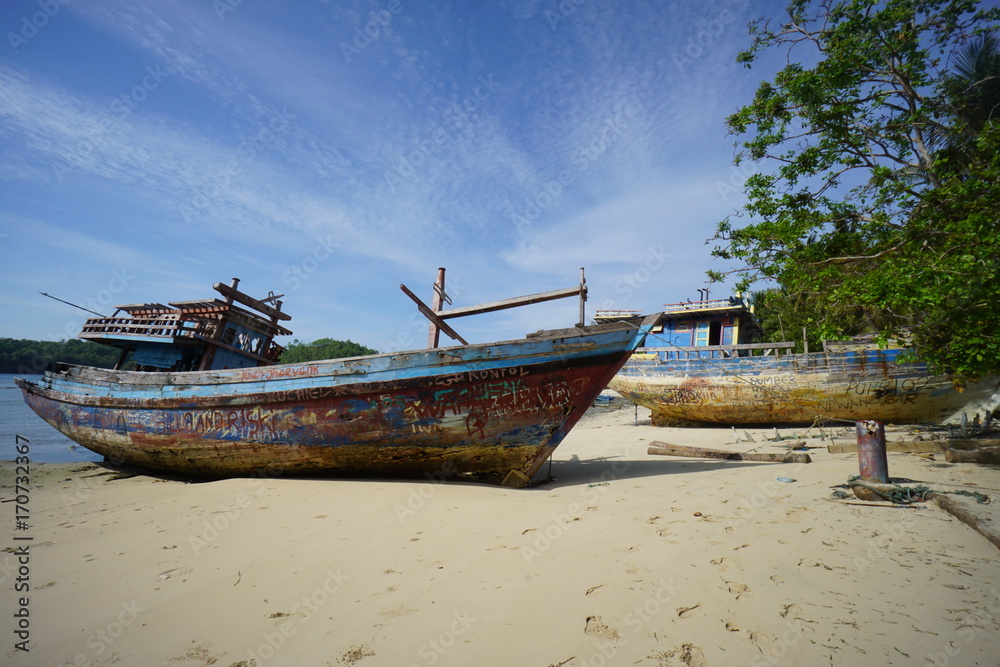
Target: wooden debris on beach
[
  {"x": 983, "y": 455},
  {"x": 666, "y": 449},
  {"x": 919, "y": 446},
  {"x": 961, "y": 510}
]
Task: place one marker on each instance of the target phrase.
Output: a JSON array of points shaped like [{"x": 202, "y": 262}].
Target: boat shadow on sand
[
  {"x": 608, "y": 470},
  {"x": 565, "y": 473}
]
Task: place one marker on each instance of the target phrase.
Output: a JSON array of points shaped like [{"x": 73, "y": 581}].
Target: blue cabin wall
[
  {"x": 166, "y": 356},
  {"x": 241, "y": 338},
  {"x": 696, "y": 331}
]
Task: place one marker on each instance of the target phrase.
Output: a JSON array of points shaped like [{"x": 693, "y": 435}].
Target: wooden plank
[
  {"x": 511, "y": 303},
  {"x": 968, "y": 515},
  {"x": 432, "y": 316},
  {"x": 984, "y": 455},
  {"x": 666, "y": 449},
  {"x": 237, "y": 295},
  {"x": 918, "y": 446}
]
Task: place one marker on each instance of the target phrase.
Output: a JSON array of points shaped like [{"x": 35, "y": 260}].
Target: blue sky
[{"x": 329, "y": 151}]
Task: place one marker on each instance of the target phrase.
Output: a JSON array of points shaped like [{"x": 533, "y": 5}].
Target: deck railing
[
  {"x": 722, "y": 351},
  {"x": 160, "y": 326},
  {"x": 697, "y": 305}
]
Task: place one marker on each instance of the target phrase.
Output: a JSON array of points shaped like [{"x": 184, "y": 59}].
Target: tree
[
  {"x": 880, "y": 153},
  {"x": 323, "y": 348}
]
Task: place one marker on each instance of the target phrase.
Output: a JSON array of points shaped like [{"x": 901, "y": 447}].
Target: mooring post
[{"x": 871, "y": 451}]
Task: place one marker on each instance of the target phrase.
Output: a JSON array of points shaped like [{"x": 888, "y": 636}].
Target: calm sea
[{"x": 16, "y": 419}]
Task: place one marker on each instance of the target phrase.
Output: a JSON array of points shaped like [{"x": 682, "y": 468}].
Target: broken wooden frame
[{"x": 437, "y": 316}]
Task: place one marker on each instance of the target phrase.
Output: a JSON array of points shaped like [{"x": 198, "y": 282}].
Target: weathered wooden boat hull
[
  {"x": 494, "y": 412},
  {"x": 792, "y": 389}
]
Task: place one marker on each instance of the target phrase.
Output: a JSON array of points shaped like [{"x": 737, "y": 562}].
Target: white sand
[{"x": 623, "y": 559}]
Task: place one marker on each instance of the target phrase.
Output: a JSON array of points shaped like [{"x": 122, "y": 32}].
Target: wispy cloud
[{"x": 511, "y": 142}]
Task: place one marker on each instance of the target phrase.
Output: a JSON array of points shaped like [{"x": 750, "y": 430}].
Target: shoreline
[{"x": 620, "y": 558}]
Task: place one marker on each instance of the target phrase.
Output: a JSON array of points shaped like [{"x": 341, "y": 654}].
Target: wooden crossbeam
[
  {"x": 511, "y": 303},
  {"x": 236, "y": 295},
  {"x": 432, "y": 316}
]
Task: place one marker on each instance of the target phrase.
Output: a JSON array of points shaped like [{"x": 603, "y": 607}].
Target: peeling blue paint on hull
[
  {"x": 494, "y": 412},
  {"x": 792, "y": 389}
]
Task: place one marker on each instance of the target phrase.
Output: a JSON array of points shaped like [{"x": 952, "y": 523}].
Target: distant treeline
[
  {"x": 324, "y": 348},
  {"x": 33, "y": 356}
]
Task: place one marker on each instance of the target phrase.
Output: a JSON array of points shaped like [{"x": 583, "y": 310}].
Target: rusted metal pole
[
  {"x": 434, "y": 332},
  {"x": 871, "y": 451}
]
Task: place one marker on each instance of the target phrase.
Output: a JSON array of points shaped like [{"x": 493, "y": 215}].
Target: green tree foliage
[
  {"x": 324, "y": 348},
  {"x": 878, "y": 148},
  {"x": 33, "y": 356},
  {"x": 782, "y": 317}
]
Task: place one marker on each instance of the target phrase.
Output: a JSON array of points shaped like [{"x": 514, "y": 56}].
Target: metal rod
[
  {"x": 73, "y": 304},
  {"x": 433, "y": 330}
]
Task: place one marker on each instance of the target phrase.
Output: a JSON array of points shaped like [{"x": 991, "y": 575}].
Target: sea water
[{"x": 19, "y": 423}]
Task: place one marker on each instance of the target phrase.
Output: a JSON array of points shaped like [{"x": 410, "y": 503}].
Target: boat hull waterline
[{"x": 493, "y": 412}]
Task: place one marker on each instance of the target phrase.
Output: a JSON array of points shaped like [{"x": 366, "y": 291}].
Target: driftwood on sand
[
  {"x": 666, "y": 449},
  {"x": 984, "y": 455}
]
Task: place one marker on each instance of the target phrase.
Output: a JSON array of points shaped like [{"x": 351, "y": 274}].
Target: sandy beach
[{"x": 622, "y": 558}]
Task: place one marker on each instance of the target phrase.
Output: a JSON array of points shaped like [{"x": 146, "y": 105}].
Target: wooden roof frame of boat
[
  {"x": 437, "y": 316},
  {"x": 210, "y": 316}
]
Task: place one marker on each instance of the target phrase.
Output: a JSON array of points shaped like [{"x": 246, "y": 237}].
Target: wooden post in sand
[{"x": 871, "y": 451}]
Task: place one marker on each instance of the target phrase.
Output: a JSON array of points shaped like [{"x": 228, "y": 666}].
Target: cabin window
[{"x": 701, "y": 334}]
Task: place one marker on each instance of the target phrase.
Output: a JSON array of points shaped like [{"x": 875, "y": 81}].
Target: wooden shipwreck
[
  {"x": 703, "y": 365},
  {"x": 492, "y": 412}
]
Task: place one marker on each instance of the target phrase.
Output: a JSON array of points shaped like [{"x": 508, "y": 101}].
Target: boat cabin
[
  {"x": 697, "y": 328},
  {"x": 208, "y": 334}
]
